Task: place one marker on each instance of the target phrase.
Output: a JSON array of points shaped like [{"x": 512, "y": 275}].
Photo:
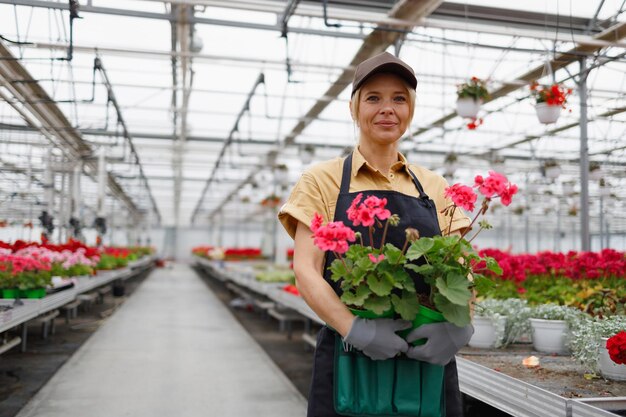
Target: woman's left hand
[{"x": 444, "y": 341}]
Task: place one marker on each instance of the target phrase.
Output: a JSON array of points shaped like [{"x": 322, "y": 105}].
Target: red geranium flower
[{"x": 617, "y": 348}]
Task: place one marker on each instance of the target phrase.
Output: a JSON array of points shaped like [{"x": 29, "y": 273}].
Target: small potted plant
[
  {"x": 550, "y": 325},
  {"x": 592, "y": 341},
  {"x": 281, "y": 174},
  {"x": 605, "y": 190},
  {"x": 450, "y": 163},
  {"x": 470, "y": 96},
  {"x": 306, "y": 153},
  {"x": 595, "y": 171},
  {"x": 497, "y": 323},
  {"x": 551, "y": 168},
  {"x": 271, "y": 200},
  {"x": 549, "y": 100}
]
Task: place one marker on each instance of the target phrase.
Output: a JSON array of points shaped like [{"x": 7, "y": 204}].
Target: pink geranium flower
[
  {"x": 368, "y": 211},
  {"x": 316, "y": 222},
  {"x": 333, "y": 237},
  {"x": 462, "y": 196},
  {"x": 494, "y": 184},
  {"x": 376, "y": 259}
]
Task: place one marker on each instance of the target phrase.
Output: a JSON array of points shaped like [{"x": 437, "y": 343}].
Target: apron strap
[
  {"x": 417, "y": 184},
  {"x": 347, "y": 174}
]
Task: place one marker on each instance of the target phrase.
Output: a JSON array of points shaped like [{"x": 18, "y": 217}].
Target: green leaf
[
  {"x": 393, "y": 254},
  {"x": 407, "y": 305},
  {"x": 419, "y": 247},
  {"x": 420, "y": 269},
  {"x": 366, "y": 264},
  {"x": 493, "y": 266},
  {"x": 358, "y": 298},
  {"x": 455, "y": 288},
  {"x": 338, "y": 270},
  {"x": 454, "y": 313},
  {"x": 380, "y": 284},
  {"x": 377, "y": 304}
]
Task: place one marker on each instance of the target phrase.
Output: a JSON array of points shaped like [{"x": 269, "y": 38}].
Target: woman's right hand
[{"x": 377, "y": 338}]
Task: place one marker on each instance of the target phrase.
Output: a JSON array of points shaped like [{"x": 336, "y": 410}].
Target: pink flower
[
  {"x": 462, "y": 196},
  {"x": 507, "y": 195},
  {"x": 367, "y": 212},
  {"x": 494, "y": 184},
  {"x": 333, "y": 237},
  {"x": 376, "y": 259},
  {"x": 316, "y": 222},
  {"x": 352, "y": 210}
]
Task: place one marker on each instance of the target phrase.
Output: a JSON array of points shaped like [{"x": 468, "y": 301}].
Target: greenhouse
[{"x": 312, "y": 207}]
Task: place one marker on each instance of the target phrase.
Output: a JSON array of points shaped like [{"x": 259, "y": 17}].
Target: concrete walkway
[{"x": 171, "y": 350}]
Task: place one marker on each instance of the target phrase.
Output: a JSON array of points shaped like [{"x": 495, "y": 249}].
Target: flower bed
[{"x": 590, "y": 281}]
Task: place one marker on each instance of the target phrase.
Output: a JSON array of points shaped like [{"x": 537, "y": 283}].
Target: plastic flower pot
[
  {"x": 10, "y": 292},
  {"x": 608, "y": 368},
  {"x": 33, "y": 293},
  {"x": 468, "y": 107},
  {"x": 547, "y": 113},
  {"x": 549, "y": 336},
  {"x": 425, "y": 315},
  {"x": 484, "y": 333}
]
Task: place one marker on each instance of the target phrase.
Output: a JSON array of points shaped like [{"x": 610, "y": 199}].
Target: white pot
[
  {"x": 553, "y": 172},
  {"x": 547, "y": 113},
  {"x": 468, "y": 107},
  {"x": 549, "y": 336},
  {"x": 608, "y": 368},
  {"x": 484, "y": 333},
  {"x": 595, "y": 174}
]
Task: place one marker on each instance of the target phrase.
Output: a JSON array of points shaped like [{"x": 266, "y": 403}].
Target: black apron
[{"x": 417, "y": 212}]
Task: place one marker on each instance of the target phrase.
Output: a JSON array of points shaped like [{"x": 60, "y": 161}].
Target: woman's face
[{"x": 384, "y": 109}]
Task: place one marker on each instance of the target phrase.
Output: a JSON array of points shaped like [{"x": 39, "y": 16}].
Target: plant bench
[
  {"x": 102, "y": 292},
  {"x": 87, "y": 300},
  {"x": 71, "y": 310},
  {"x": 47, "y": 323},
  {"x": 285, "y": 319}
]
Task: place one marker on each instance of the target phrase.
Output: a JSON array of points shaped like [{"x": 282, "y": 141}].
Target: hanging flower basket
[
  {"x": 549, "y": 101},
  {"x": 468, "y": 107},
  {"x": 470, "y": 96},
  {"x": 547, "y": 113}
]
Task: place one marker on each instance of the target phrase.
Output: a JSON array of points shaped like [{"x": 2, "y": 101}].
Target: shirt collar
[{"x": 359, "y": 161}]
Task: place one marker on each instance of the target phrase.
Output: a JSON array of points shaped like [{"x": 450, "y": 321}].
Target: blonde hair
[{"x": 356, "y": 100}]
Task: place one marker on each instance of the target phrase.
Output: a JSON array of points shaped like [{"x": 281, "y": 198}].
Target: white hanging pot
[
  {"x": 484, "y": 333},
  {"x": 547, "y": 113},
  {"x": 595, "y": 174},
  {"x": 468, "y": 107},
  {"x": 549, "y": 336},
  {"x": 608, "y": 368},
  {"x": 553, "y": 172}
]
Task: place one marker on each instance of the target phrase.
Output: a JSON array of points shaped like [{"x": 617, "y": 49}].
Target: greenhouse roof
[{"x": 195, "y": 103}]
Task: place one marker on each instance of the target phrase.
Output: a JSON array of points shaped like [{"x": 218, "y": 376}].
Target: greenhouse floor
[{"x": 172, "y": 349}]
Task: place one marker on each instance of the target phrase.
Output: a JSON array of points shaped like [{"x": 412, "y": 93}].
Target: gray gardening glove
[
  {"x": 377, "y": 338},
  {"x": 444, "y": 341}
]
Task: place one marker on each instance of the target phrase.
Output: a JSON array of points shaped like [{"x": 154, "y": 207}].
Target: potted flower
[
  {"x": 498, "y": 323},
  {"x": 549, "y": 100},
  {"x": 550, "y": 325},
  {"x": 281, "y": 174},
  {"x": 599, "y": 343},
  {"x": 271, "y": 200},
  {"x": 605, "y": 190},
  {"x": 306, "y": 153},
  {"x": 613, "y": 356},
  {"x": 551, "y": 169},
  {"x": 450, "y": 163},
  {"x": 470, "y": 96},
  {"x": 451, "y": 266},
  {"x": 595, "y": 171}
]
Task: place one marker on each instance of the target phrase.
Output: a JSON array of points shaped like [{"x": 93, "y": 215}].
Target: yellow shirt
[{"x": 318, "y": 189}]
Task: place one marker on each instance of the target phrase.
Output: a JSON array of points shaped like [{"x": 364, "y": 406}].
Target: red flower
[
  {"x": 474, "y": 123},
  {"x": 617, "y": 348},
  {"x": 462, "y": 196}
]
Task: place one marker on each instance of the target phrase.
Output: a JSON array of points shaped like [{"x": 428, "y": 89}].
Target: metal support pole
[
  {"x": 78, "y": 169},
  {"x": 102, "y": 178},
  {"x": 584, "y": 159},
  {"x": 526, "y": 232},
  {"x": 557, "y": 239},
  {"x": 601, "y": 221}
]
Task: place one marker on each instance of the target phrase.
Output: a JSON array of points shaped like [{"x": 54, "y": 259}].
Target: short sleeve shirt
[{"x": 318, "y": 188}]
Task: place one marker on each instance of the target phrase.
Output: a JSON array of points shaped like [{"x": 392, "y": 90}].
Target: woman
[{"x": 382, "y": 106}]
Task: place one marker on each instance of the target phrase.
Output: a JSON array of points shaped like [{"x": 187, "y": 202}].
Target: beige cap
[{"x": 384, "y": 62}]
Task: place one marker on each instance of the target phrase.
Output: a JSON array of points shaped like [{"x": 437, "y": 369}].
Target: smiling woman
[{"x": 382, "y": 106}]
